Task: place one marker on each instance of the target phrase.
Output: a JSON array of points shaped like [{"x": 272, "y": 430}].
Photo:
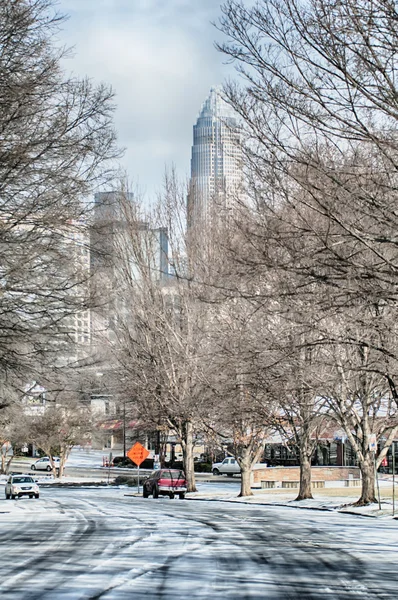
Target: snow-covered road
[{"x": 100, "y": 544}]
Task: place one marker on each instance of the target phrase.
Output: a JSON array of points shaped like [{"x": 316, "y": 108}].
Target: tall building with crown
[{"x": 215, "y": 161}]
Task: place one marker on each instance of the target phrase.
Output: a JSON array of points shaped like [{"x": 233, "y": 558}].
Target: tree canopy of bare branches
[
  {"x": 319, "y": 111},
  {"x": 57, "y": 144}
]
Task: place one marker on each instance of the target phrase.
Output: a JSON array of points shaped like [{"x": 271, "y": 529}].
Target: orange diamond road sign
[{"x": 138, "y": 453}]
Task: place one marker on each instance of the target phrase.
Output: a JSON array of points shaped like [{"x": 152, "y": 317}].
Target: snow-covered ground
[
  {"x": 75, "y": 544},
  {"x": 79, "y": 457},
  {"x": 86, "y": 457}
]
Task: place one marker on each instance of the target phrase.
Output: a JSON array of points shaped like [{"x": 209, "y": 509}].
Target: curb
[
  {"x": 274, "y": 504},
  {"x": 325, "y": 509},
  {"x": 352, "y": 512}
]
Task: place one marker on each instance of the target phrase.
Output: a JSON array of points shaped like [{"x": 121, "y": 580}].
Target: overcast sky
[{"x": 159, "y": 57}]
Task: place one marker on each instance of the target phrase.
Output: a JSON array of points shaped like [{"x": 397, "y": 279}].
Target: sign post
[
  {"x": 373, "y": 448},
  {"x": 109, "y": 465},
  {"x": 393, "y": 478},
  {"x": 138, "y": 453},
  {"x": 343, "y": 439}
]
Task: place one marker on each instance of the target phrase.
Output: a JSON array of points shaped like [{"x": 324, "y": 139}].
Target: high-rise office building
[
  {"x": 109, "y": 233},
  {"x": 111, "y": 244},
  {"x": 216, "y": 159}
]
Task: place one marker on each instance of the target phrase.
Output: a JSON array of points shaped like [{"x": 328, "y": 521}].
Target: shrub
[
  {"x": 201, "y": 467},
  {"x": 127, "y": 480}
]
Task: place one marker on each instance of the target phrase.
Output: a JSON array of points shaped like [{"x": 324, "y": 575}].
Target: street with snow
[{"x": 109, "y": 543}]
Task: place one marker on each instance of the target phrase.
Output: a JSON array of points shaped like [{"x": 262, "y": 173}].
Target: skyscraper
[
  {"x": 216, "y": 159},
  {"x": 111, "y": 238}
]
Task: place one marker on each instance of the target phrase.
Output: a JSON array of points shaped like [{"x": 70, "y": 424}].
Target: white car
[
  {"x": 229, "y": 466},
  {"x": 21, "y": 485},
  {"x": 43, "y": 464}
]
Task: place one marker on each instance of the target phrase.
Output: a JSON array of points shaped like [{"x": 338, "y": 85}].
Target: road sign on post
[
  {"x": 372, "y": 442},
  {"x": 138, "y": 453}
]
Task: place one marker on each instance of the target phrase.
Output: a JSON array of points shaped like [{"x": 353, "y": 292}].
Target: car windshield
[
  {"x": 172, "y": 475},
  {"x": 22, "y": 480}
]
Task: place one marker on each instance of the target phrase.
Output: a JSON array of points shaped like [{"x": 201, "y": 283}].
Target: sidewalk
[{"x": 332, "y": 499}]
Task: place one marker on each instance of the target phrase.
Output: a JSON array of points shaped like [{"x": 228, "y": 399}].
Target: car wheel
[
  {"x": 31, "y": 496},
  {"x": 216, "y": 472},
  {"x": 48, "y": 468},
  {"x": 182, "y": 495},
  {"x": 33, "y": 467},
  {"x": 145, "y": 493},
  {"x": 155, "y": 491},
  {"x": 171, "y": 495},
  {"x": 12, "y": 496},
  {"x": 36, "y": 495}
]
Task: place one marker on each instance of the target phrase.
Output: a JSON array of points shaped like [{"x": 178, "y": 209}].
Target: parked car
[
  {"x": 166, "y": 482},
  {"x": 43, "y": 464},
  {"x": 229, "y": 466},
  {"x": 21, "y": 485}
]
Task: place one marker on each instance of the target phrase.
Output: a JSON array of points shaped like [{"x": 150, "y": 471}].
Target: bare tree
[
  {"x": 320, "y": 116},
  {"x": 359, "y": 385},
  {"x": 8, "y": 437},
  {"x": 56, "y": 144},
  {"x": 57, "y": 430},
  {"x": 237, "y": 406},
  {"x": 159, "y": 324}
]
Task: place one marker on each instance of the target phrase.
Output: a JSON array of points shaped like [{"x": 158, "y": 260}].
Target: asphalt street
[{"x": 91, "y": 544}]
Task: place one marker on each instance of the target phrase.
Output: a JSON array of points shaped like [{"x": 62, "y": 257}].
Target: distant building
[
  {"x": 216, "y": 170},
  {"x": 107, "y": 233},
  {"x": 34, "y": 399},
  {"x": 79, "y": 322},
  {"x": 109, "y": 242}
]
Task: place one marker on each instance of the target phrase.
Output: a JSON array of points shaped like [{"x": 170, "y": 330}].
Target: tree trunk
[
  {"x": 368, "y": 495},
  {"x": 48, "y": 451},
  {"x": 245, "y": 483},
  {"x": 245, "y": 463},
  {"x": 5, "y": 463},
  {"x": 187, "y": 454},
  {"x": 305, "y": 491},
  {"x": 63, "y": 455},
  {"x": 160, "y": 449},
  {"x": 8, "y": 464}
]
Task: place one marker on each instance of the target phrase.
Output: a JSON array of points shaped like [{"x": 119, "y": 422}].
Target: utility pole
[{"x": 393, "y": 478}]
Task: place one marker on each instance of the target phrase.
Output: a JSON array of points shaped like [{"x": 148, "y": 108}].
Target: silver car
[
  {"x": 21, "y": 485},
  {"x": 43, "y": 464}
]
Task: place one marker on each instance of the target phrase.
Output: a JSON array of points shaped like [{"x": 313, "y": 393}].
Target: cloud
[{"x": 159, "y": 56}]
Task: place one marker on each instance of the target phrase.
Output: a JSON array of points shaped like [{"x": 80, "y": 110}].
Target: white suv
[
  {"x": 229, "y": 466},
  {"x": 21, "y": 485}
]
